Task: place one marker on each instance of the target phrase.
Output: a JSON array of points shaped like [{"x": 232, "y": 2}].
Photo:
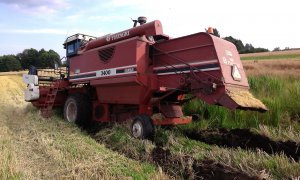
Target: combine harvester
[{"x": 144, "y": 75}]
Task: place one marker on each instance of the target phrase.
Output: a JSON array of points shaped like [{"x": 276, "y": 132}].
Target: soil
[
  {"x": 245, "y": 139},
  {"x": 195, "y": 169}
]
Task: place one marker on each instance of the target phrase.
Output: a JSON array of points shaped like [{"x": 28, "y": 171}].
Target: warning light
[
  {"x": 236, "y": 75},
  {"x": 210, "y": 30}
]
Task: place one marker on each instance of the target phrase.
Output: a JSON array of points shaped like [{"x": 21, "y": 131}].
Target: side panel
[
  {"x": 174, "y": 58},
  {"x": 122, "y": 79},
  {"x": 228, "y": 57},
  {"x": 119, "y": 93},
  {"x": 207, "y": 54},
  {"x": 120, "y": 60}
]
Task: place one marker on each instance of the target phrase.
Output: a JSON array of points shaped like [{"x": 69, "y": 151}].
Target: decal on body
[{"x": 117, "y": 36}]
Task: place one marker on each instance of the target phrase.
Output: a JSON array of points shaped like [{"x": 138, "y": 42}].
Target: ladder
[{"x": 46, "y": 109}]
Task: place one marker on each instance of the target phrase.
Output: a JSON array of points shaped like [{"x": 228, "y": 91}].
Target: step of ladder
[{"x": 46, "y": 109}]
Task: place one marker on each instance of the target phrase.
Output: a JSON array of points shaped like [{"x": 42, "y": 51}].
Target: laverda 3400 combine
[{"x": 144, "y": 75}]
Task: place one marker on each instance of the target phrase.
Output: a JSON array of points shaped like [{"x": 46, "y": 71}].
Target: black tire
[
  {"x": 142, "y": 128},
  {"x": 77, "y": 109},
  {"x": 196, "y": 117}
]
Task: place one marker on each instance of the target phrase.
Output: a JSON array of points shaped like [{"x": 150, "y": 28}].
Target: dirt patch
[
  {"x": 245, "y": 139},
  {"x": 195, "y": 169},
  {"x": 175, "y": 165}
]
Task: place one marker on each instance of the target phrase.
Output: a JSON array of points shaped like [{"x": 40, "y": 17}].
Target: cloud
[
  {"x": 108, "y": 18},
  {"x": 74, "y": 17},
  {"x": 35, "y": 31},
  {"x": 118, "y": 3},
  {"x": 37, "y": 6},
  {"x": 52, "y": 31}
]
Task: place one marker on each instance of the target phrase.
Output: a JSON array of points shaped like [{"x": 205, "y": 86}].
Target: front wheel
[
  {"x": 142, "y": 127},
  {"x": 77, "y": 109}
]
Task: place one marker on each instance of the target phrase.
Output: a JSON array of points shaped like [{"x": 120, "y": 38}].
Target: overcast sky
[{"x": 46, "y": 23}]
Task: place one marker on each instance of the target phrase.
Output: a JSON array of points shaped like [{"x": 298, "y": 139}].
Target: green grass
[
  {"x": 280, "y": 94},
  {"x": 283, "y": 56}
]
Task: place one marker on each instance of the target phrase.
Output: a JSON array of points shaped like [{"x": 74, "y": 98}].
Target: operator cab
[{"x": 73, "y": 43}]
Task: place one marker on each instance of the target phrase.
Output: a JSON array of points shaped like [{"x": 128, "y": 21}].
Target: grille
[{"x": 106, "y": 54}]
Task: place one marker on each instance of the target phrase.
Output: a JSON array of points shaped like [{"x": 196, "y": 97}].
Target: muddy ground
[
  {"x": 246, "y": 139},
  {"x": 195, "y": 169}
]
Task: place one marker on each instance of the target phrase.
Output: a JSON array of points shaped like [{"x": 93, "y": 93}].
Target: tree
[
  {"x": 259, "y": 49},
  {"x": 216, "y": 32},
  {"x": 9, "y": 63},
  {"x": 12, "y": 63},
  {"x": 2, "y": 65},
  {"x": 54, "y": 57},
  {"x": 238, "y": 43},
  {"x": 28, "y": 57},
  {"x": 48, "y": 59},
  {"x": 248, "y": 48},
  {"x": 42, "y": 60}
]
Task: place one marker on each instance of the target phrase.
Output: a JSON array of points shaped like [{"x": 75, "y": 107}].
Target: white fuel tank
[
  {"x": 32, "y": 92},
  {"x": 30, "y": 79}
]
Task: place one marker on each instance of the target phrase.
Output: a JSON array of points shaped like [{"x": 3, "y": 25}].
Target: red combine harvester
[{"x": 143, "y": 74}]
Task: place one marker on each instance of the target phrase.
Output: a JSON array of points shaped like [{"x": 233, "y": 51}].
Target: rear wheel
[
  {"x": 142, "y": 127},
  {"x": 77, "y": 109}
]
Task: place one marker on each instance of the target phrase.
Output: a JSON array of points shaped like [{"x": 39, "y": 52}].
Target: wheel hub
[
  {"x": 137, "y": 130},
  {"x": 71, "y": 112}
]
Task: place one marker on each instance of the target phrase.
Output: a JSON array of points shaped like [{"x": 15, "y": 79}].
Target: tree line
[
  {"x": 242, "y": 49},
  {"x": 40, "y": 59}
]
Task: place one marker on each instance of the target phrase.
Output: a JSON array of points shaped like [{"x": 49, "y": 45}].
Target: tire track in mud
[
  {"x": 195, "y": 169},
  {"x": 245, "y": 139},
  {"x": 179, "y": 166}
]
